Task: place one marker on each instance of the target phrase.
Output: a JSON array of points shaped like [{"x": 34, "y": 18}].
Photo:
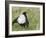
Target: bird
[{"x": 22, "y": 20}]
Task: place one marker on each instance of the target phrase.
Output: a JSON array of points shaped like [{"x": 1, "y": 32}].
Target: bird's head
[{"x": 24, "y": 12}]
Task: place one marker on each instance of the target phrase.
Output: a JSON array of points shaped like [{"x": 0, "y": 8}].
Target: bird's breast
[{"x": 21, "y": 19}]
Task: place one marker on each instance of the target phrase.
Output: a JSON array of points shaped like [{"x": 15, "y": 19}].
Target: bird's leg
[
  {"x": 24, "y": 25},
  {"x": 27, "y": 25}
]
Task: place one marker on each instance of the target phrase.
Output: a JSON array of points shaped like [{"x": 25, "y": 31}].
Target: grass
[{"x": 33, "y": 15}]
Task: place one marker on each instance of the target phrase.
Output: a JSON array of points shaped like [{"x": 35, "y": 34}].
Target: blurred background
[{"x": 33, "y": 16}]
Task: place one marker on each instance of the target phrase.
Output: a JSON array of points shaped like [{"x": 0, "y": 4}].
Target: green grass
[{"x": 33, "y": 15}]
